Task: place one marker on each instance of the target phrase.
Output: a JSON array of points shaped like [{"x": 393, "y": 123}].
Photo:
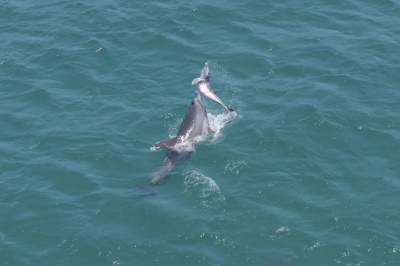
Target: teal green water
[{"x": 306, "y": 172}]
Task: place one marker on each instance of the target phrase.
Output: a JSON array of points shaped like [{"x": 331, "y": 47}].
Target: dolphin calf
[
  {"x": 193, "y": 130},
  {"x": 204, "y": 86}
]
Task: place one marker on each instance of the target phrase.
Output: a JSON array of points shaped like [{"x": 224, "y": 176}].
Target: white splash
[
  {"x": 234, "y": 166},
  {"x": 219, "y": 122},
  {"x": 154, "y": 148},
  {"x": 204, "y": 187},
  {"x": 316, "y": 245},
  {"x": 283, "y": 229},
  {"x": 219, "y": 240},
  {"x": 189, "y": 145},
  {"x": 35, "y": 145}
]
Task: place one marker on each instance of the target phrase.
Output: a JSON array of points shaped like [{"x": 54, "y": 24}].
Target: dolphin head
[
  {"x": 196, "y": 102},
  {"x": 204, "y": 76},
  {"x": 196, "y": 105}
]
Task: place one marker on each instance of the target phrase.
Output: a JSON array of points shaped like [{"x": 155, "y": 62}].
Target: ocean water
[{"x": 305, "y": 172}]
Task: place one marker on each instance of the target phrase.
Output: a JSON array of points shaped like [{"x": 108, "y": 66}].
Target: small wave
[
  {"x": 203, "y": 187},
  {"x": 282, "y": 229},
  {"x": 35, "y": 145}
]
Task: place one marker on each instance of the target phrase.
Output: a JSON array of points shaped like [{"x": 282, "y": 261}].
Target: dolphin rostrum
[
  {"x": 193, "y": 130},
  {"x": 204, "y": 86}
]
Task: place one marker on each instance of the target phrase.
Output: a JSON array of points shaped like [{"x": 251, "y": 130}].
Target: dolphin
[
  {"x": 193, "y": 130},
  {"x": 204, "y": 86}
]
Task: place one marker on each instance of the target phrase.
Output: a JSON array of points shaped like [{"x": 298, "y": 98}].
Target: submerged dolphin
[
  {"x": 204, "y": 86},
  {"x": 193, "y": 129}
]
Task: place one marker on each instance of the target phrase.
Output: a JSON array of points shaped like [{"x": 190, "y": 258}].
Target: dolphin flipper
[
  {"x": 167, "y": 143},
  {"x": 197, "y": 81}
]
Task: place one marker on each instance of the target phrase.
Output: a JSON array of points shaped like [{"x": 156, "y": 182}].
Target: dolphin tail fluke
[
  {"x": 167, "y": 143},
  {"x": 228, "y": 110}
]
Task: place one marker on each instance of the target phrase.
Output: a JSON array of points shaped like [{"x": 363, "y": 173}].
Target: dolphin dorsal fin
[{"x": 167, "y": 143}]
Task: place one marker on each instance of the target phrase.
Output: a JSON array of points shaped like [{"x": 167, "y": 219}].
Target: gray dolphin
[
  {"x": 204, "y": 86},
  {"x": 193, "y": 130}
]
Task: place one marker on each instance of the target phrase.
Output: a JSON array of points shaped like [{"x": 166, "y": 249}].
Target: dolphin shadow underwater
[{"x": 193, "y": 130}]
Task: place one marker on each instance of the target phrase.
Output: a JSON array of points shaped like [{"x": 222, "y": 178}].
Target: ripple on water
[{"x": 204, "y": 188}]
